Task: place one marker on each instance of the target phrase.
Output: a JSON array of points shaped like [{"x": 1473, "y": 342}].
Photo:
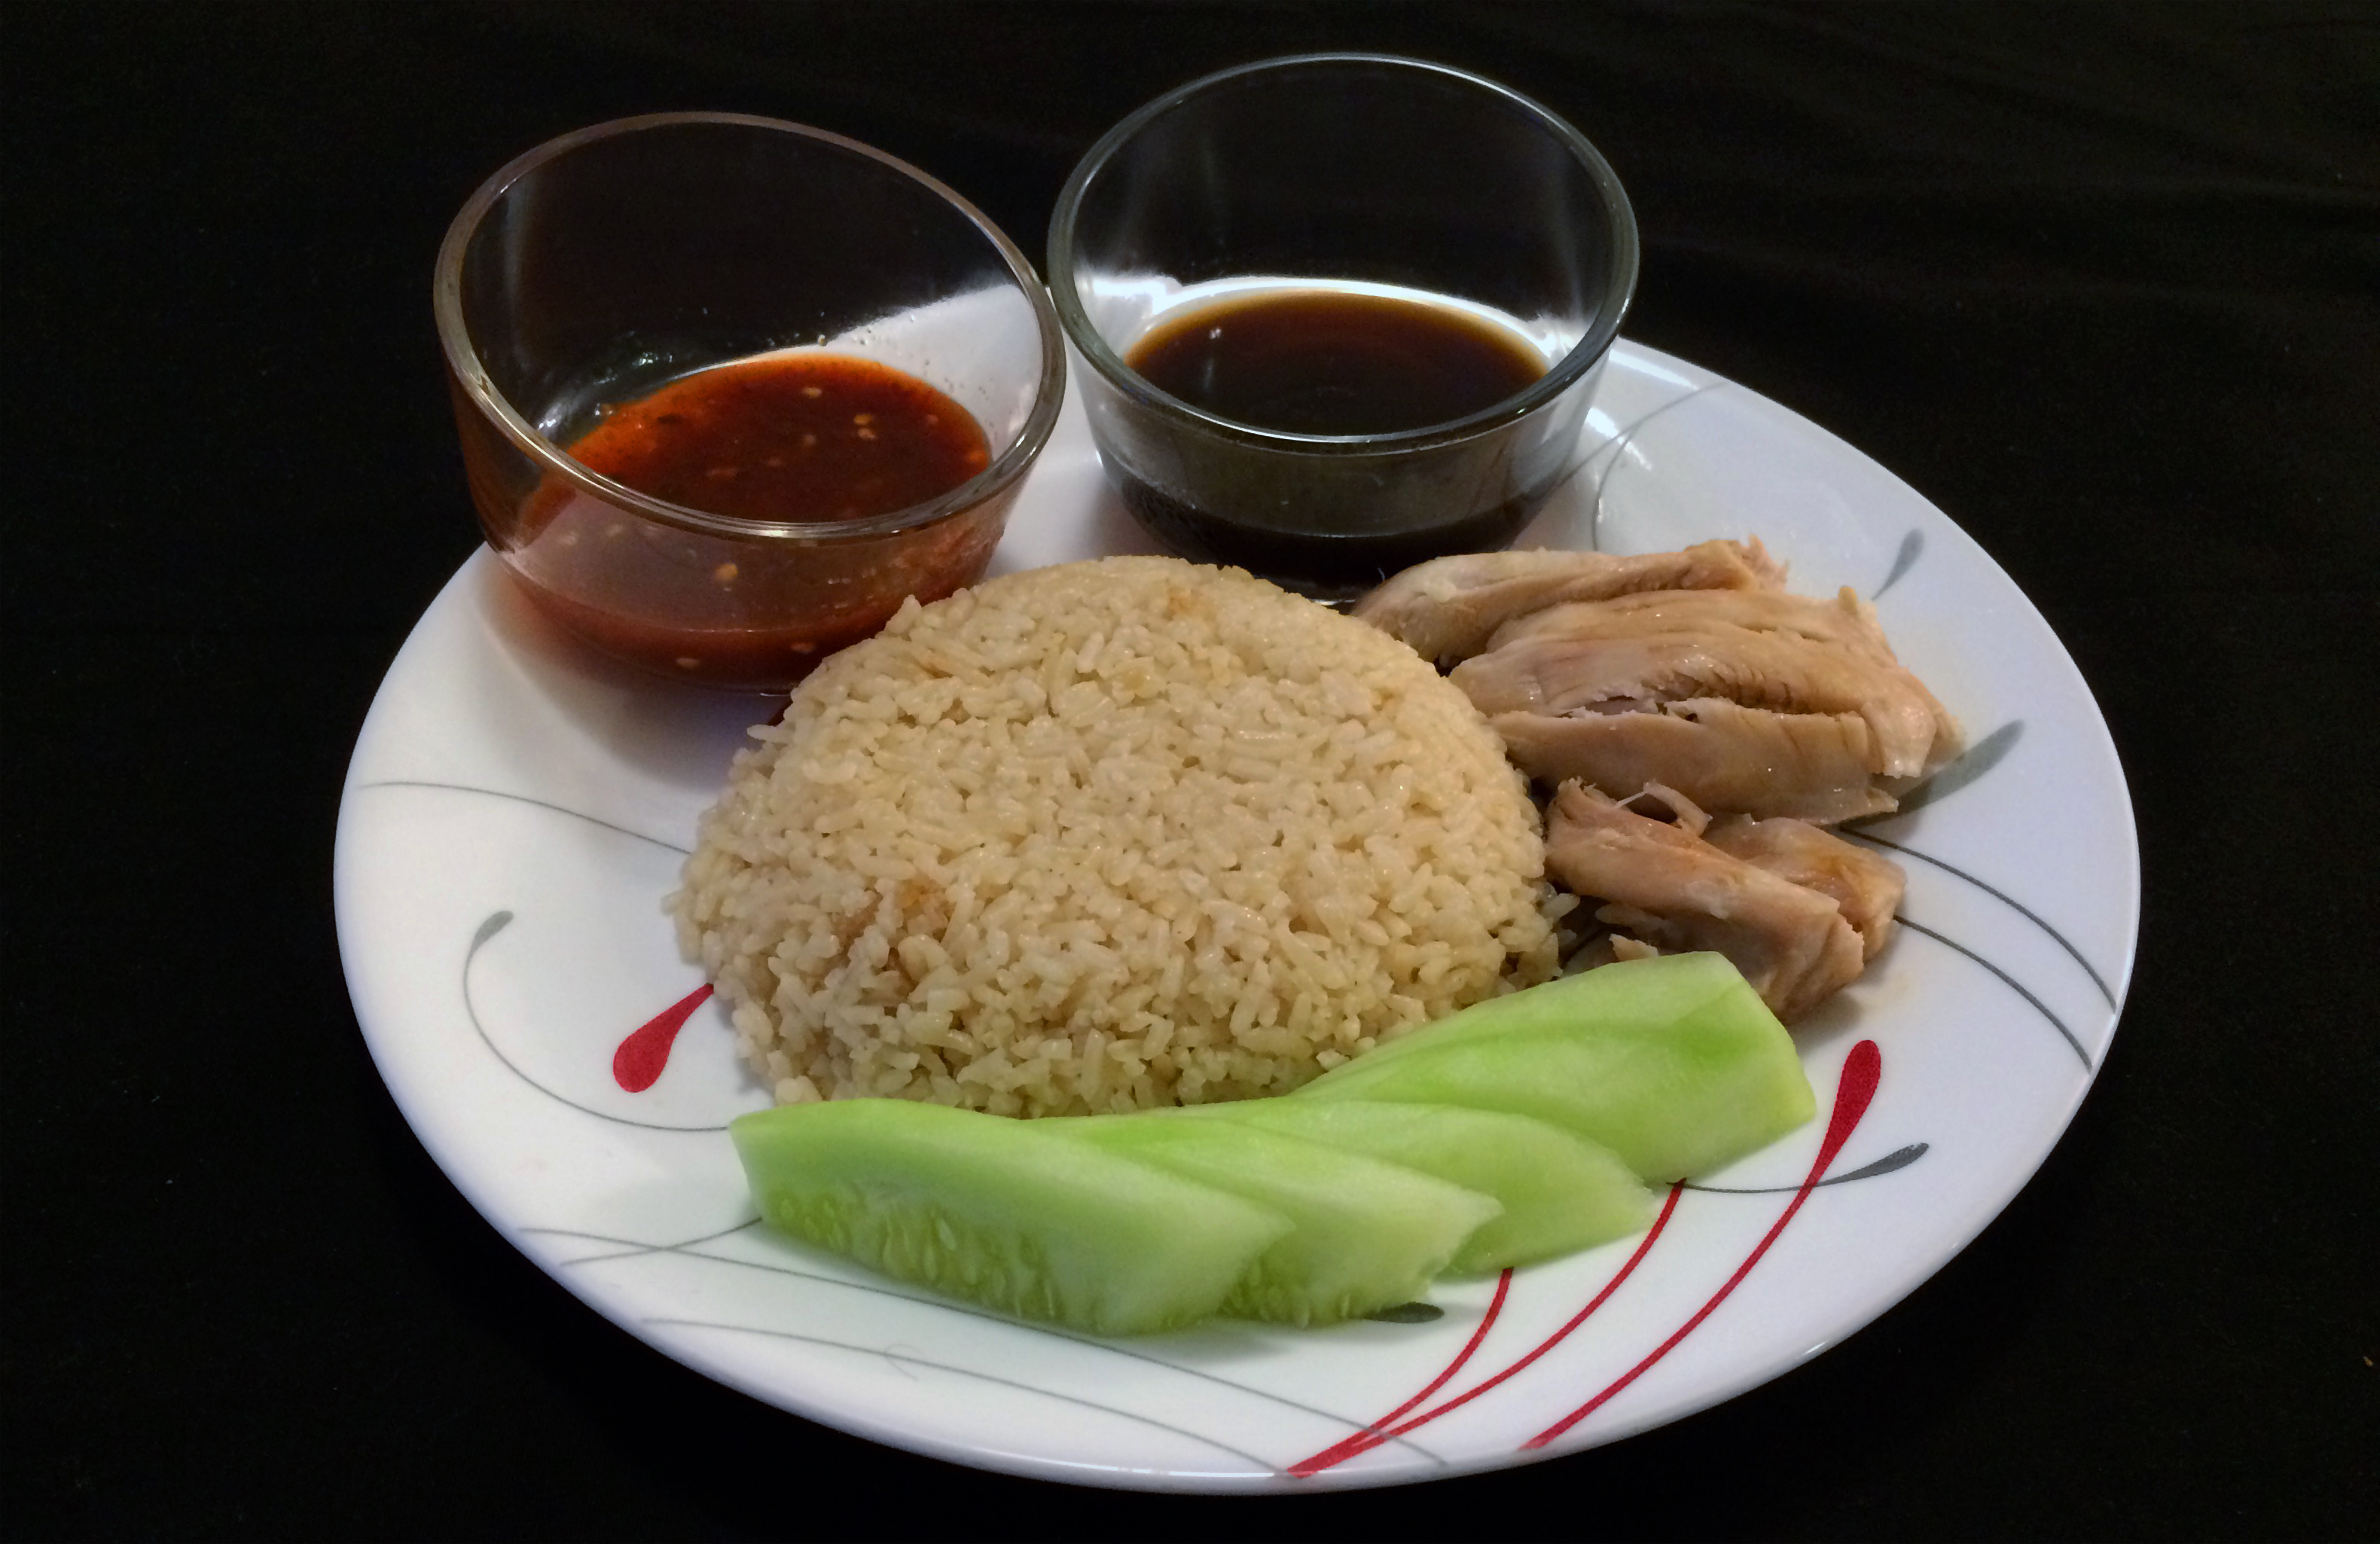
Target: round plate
[{"x": 515, "y": 814}]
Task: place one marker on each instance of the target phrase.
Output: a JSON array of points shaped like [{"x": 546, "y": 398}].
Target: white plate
[{"x": 515, "y": 815}]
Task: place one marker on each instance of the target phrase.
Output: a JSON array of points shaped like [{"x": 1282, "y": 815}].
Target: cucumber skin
[
  {"x": 1560, "y": 1193},
  {"x": 1003, "y": 1214},
  {"x": 1626, "y": 993},
  {"x": 1369, "y": 1235},
  {"x": 1675, "y": 1096}
]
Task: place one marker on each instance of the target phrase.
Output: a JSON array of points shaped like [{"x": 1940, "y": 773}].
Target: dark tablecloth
[{"x": 2100, "y": 281}]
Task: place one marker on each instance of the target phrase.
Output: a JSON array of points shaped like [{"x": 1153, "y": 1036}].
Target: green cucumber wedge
[
  {"x": 1369, "y": 1235},
  {"x": 1644, "y": 993},
  {"x": 1675, "y": 1080},
  {"x": 1560, "y": 1193},
  {"x": 1004, "y": 1213}
]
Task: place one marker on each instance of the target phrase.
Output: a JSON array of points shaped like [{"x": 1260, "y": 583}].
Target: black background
[{"x": 2102, "y": 282}]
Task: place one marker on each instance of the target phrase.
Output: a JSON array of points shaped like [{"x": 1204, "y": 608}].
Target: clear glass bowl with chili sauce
[{"x": 729, "y": 389}]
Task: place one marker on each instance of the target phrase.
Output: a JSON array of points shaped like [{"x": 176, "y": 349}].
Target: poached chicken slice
[
  {"x": 1864, "y": 884},
  {"x": 1674, "y": 890},
  {"x": 1846, "y": 620},
  {"x": 1809, "y": 766},
  {"x": 1446, "y": 609},
  {"x": 1558, "y": 673}
]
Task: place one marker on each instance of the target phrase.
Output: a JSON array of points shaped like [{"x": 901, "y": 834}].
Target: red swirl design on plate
[
  {"x": 1861, "y": 1071},
  {"x": 644, "y": 1055},
  {"x": 1380, "y": 1431},
  {"x": 1853, "y": 1092}
]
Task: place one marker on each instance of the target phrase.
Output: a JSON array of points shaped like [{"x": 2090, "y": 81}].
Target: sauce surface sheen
[
  {"x": 798, "y": 438},
  {"x": 788, "y": 439},
  {"x": 1330, "y": 362}
]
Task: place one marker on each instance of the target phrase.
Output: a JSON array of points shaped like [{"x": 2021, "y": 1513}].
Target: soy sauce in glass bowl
[{"x": 1361, "y": 223}]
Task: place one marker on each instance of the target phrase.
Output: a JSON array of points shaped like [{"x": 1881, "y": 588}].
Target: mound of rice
[{"x": 1110, "y": 836}]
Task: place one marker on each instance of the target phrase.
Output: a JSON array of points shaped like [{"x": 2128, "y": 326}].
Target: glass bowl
[
  {"x": 1336, "y": 204},
  {"x": 667, "y": 253}
]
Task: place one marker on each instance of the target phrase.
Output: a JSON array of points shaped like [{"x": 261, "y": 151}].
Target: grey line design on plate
[
  {"x": 1618, "y": 443},
  {"x": 869, "y": 1289},
  {"x": 2005, "y": 735},
  {"x": 892, "y": 1355},
  {"x": 1969, "y": 766},
  {"x": 522, "y": 798},
  {"x": 630, "y": 1249},
  {"x": 2008, "y": 901},
  {"x": 1912, "y": 546},
  {"x": 1891, "y": 1162},
  {"x": 2014, "y": 984},
  {"x": 497, "y": 921}
]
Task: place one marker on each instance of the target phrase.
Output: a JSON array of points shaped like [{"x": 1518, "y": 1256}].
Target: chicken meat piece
[
  {"x": 1846, "y": 621},
  {"x": 1864, "y": 884},
  {"x": 1447, "y": 608},
  {"x": 1675, "y": 891},
  {"x": 1809, "y": 766},
  {"x": 1684, "y": 812},
  {"x": 1909, "y": 733}
]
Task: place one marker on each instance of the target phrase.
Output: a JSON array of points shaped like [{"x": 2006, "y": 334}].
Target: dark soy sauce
[
  {"x": 1329, "y": 362},
  {"x": 1324, "y": 362}
]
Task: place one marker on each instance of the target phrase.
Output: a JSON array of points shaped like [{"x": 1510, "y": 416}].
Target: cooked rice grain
[{"x": 1110, "y": 836}]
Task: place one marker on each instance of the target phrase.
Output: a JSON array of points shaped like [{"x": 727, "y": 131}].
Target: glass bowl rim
[
  {"x": 1583, "y": 358},
  {"x": 462, "y": 357}
]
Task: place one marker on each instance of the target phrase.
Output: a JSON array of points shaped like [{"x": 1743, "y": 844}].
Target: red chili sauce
[{"x": 791, "y": 439}]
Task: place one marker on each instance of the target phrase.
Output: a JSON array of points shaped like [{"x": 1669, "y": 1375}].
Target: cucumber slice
[
  {"x": 1560, "y": 1193},
  {"x": 1647, "y": 993},
  {"x": 1675, "y": 1091},
  {"x": 1003, "y": 1214},
  {"x": 1369, "y": 1235}
]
